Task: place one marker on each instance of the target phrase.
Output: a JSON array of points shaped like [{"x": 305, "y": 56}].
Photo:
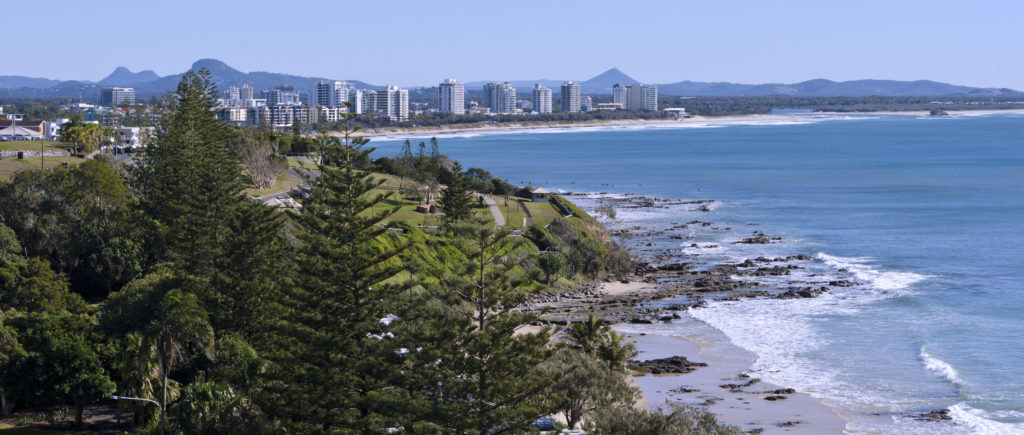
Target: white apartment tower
[
  {"x": 329, "y": 93},
  {"x": 619, "y": 95},
  {"x": 500, "y": 97},
  {"x": 541, "y": 99},
  {"x": 245, "y": 93},
  {"x": 451, "y": 97},
  {"x": 393, "y": 102},
  {"x": 570, "y": 97},
  {"x": 641, "y": 97}
]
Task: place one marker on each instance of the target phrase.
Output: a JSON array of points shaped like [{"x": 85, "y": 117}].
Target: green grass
[
  {"x": 543, "y": 212},
  {"x": 283, "y": 183},
  {"x": 9, "y": 166},
  {"x": 7, "y": 429},
  {"x": 33, "y": 145}
]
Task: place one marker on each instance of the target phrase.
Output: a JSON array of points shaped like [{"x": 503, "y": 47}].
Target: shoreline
[
  {"x": 527, "y": 126},
  {"x": 755, "y": 405}
]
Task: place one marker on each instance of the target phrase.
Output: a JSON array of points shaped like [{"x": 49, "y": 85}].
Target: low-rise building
[{"x": 135, "y": 136}]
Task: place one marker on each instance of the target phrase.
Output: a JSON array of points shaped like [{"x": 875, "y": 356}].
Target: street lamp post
[{"x": 139, "y": 399}]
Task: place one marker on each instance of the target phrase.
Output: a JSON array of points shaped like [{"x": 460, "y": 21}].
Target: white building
[
  {"x": 541, "y": 99},
  {"x": 135, "y": 136},
  {"x": 329, "y": 93},
  {"x": 451, "y": 97},
  {"x": 245, "y": 93},
  {"x": 619, "y": 95},
  {"x": 500, "y": 97},
  {"x": 393, "y": 102},
  {"x": 358, "y": 101},
  {"x": 586, "y": 104},
  {"x": 570, "y": 97},
  {"x": 641, "y": 97}
]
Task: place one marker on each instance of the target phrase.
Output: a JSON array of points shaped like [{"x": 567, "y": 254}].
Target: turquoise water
[{"x": 927, "y": 214}]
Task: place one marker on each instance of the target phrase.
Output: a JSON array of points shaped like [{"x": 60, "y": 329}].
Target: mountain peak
[
  {"x": 123, "y": 76},
  {"x": 602, "y": 83}
]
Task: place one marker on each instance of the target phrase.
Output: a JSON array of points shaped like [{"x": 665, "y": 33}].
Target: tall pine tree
[
  {"x": 456, "y": 201},
  {"x": 190, "y": 186},
  {"x": 488, "y": 378},
  {"x": 336, "y": 358}
]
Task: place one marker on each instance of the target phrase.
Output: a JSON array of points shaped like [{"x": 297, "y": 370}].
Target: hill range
[{"x": 148, "y": 84}]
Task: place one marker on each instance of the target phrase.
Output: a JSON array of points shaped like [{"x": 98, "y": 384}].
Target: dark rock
[
  {"x": 802, "y": 293},
  {"x": 843, "y": 283},
  {"x": 774, "y": 398},
  {"x": 936, "y": 415},
  {"x": 673, "y": 365},
  {"x": 757, "y": 239},
  {"x": 781, "y": 391}
]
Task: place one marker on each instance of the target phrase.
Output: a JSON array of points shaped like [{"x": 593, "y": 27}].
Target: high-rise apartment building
[
  {"x": 500, "y": 97},
  {"x": 541, "y": 99},
  {"x": 586, "y": 104},
  {"x": 451, "y": 97},
  {"x": 329, "y": 93},
  {"x": 393, "y": 102},
  {"x": 231, "y": 94},
  {"x": 245, "y": 93},
  {"x": 570, "y": 97},
  {"x": 619, "y": 94},
  {"x": 111, "y": 97},
  {"x": 641, "y": 97}
]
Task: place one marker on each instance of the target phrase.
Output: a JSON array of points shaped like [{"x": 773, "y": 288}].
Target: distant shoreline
[{"x": 527, "y": 125}]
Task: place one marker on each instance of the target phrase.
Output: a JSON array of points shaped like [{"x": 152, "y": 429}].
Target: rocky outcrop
[{"x": 670, "y": 365}]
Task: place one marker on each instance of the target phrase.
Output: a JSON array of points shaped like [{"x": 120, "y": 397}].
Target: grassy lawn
[
  {"x": 297, "y": 163},
  {"x": 543, "y": 212},
  {"x": 7, "y": 429},
  {"x": 283, "y": 183},
  {"x": 9, "y": 166},
  {"x": 33, "y": 145}
]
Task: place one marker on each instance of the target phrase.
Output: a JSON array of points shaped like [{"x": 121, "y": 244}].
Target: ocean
[{"x": 924, "y": 214}]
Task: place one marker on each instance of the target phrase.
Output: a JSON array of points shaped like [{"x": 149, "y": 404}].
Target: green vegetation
[
  {"x": 167, "y": 282},
  {"x": 33, "y": 145}
]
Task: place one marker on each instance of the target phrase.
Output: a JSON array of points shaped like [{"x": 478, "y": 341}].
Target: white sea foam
[
  {"x": 872, "y": 276},
  {"x": 981, "y": 422},
  {"x": 940, "y": 368}
]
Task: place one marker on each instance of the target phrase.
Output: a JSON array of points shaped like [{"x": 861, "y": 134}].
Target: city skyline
[{"x": 965, "y": 44}]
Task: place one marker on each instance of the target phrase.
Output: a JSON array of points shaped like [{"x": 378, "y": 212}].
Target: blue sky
[{"x": 409, "y": 43}]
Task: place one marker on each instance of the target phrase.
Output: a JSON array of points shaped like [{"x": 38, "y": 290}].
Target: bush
[{"x": 678, "y": 420}]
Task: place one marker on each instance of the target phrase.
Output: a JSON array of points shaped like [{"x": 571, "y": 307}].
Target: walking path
[
  {"x": 499, "y": 219},
  {"x": 526, "y": 211}
]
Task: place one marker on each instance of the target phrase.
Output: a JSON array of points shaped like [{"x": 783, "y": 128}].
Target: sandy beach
[
  {"x": 745, "y": 407},
  {"x": 447, "y": 130}
]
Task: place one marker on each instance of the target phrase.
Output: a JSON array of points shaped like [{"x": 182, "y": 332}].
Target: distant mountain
[
  {"x": 147, "y": 84},
  {"x": 602, "y": 83},
  {"x": 124, "y": 77},
  {"x": 14, "y": 82},
  {"x": 595, "y": 85},
  {"x": 829, "y": 88}
]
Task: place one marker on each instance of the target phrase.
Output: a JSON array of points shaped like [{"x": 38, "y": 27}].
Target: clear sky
[{"x": 977, "y": 43}]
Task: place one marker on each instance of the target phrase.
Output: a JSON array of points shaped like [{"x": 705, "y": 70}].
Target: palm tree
[
  {"x": 588, "y": 334},
  {"x": 180, "y": 321},
  {"x": 139, "y": 371}
]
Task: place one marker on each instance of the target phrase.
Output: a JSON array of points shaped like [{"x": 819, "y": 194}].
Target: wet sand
[{"x": 746, "y": 409}]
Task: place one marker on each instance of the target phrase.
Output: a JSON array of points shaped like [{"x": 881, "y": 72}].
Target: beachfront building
[
  {"x": 451, "y": 97},
  {"x": 541, "y": 99},
  {"x": 586, "y": 104},
  {"x": 500, "y": 97},
  {"x": 540, "y": 194},
  {"x": 329, "y": 93},
  {"x": 114, "y": 96},
  {"x": 570, "y": 97},
  {"x": 641, "y": 97},
  {"x": 245, "y": 93},
  {"x": 619, "y": 95},
  {"x": 392, "y": 102}
]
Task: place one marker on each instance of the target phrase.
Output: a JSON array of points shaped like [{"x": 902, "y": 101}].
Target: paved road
[{"x": 499, "y": 219}]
